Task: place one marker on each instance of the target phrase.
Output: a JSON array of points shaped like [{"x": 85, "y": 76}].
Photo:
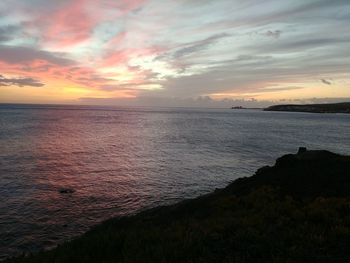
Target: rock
[
  {"x": 302, "y": 150},
  {"x": 66, "y": 191},
  {"x": 307, "y": 174}
]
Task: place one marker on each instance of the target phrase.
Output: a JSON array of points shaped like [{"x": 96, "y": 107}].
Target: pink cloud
[
  {"x": 121, "y": 57},
  {"x": 73, "y": 23},
  {"x": 45, "y": 71},
  {"x": 69, "y": 25},
  {"x": 116, "y": 58},
  {"x": 117, "y": 40}
]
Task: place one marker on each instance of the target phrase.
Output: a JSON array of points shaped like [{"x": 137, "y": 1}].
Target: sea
[{"x": 64, "y": 169}]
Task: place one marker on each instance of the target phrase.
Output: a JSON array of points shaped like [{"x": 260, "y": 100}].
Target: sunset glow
[{"x": 136, "y": 51}]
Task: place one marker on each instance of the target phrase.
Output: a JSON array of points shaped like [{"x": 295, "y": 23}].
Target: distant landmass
[
  {"x": 244, "y": 108},
  {"x": 343, "y": 107}
]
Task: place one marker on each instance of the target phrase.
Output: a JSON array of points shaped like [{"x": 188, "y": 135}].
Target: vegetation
[
  {"x": 343, "y": 107},
  {"x": 295, "y": 211}
]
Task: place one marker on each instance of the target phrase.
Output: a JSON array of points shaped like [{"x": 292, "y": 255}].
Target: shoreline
[
  {"x": 343, "y": 107},
  {"x": 248, "y": 220}
]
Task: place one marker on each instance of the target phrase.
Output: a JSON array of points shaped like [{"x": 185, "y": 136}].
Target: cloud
[
  {"x": 7, "y": 32},
  {"x": 198, "y": 45},
  {"x": 302, "y": 44},
  {"x": 20, "y": 82},
  {"x": 74, "y": 22},
  {"x": 200, "y": 102},
  {"x": 18, "y": 54},
  {"x": 274, "y": 89},
  {"x": 326, "y": 82},
  {"x": 69, "y": 25},
  {"x": 273, "y": 34},
  {"x": 179, "y": 49}
]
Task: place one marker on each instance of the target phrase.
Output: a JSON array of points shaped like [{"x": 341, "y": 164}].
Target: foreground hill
[
  {"x": 296, "y": 211},
  {"x": 343, "y": 107}
]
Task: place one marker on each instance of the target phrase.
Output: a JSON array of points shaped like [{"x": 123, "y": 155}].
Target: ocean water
[{"x": 121, "y": 160}]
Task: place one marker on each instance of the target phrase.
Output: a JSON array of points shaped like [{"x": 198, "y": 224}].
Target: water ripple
[{"x": 119, "y": 161}]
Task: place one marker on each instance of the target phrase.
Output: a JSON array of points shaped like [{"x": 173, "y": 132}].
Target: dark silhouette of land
[
  {"x": 343, "y": 107},
  {"x": 295, "y": 211}
]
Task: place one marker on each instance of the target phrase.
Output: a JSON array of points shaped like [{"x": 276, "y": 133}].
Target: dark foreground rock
[
  {"x": 66, "y": 191},
  {"x": 295, "y": 211},
  {"x": 343, "y": 107},
  {"x": 307, "y": 174}
]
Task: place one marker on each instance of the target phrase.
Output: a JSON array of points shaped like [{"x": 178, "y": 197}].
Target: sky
[{"x": 174, "y": 52}]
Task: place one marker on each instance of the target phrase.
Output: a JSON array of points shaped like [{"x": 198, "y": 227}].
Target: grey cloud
[
  {"x": 201, "y": 101},
  {"x": 7, "y": 32},
  {"x": 250, "y": 73},
  {"x": 314, "y": 42},
  {"x": 274, "y": 34},
  {"x": 41, "y": 5},
  {"x": 20, "y": 82},
  {"x": 283, "y": 14},
  {"x": 273, "y": 89},
  {"x": 198, "y": 45},
  {"x": 326, "y": 82},
  {"x": 16, "y": 54},
  {"x": 245, "y": 60},
  {"x": 192, "y": 47},
  {"x": 3, "y": 38},
  {"x": 289, "y": 45}
]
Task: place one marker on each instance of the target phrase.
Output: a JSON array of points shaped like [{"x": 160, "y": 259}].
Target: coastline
[
  {"x": 343, "y": 107},
  {"x": 292, "y": 211}
]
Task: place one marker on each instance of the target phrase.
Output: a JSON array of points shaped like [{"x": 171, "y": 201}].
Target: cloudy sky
[{"x": 174, "y": 52}]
